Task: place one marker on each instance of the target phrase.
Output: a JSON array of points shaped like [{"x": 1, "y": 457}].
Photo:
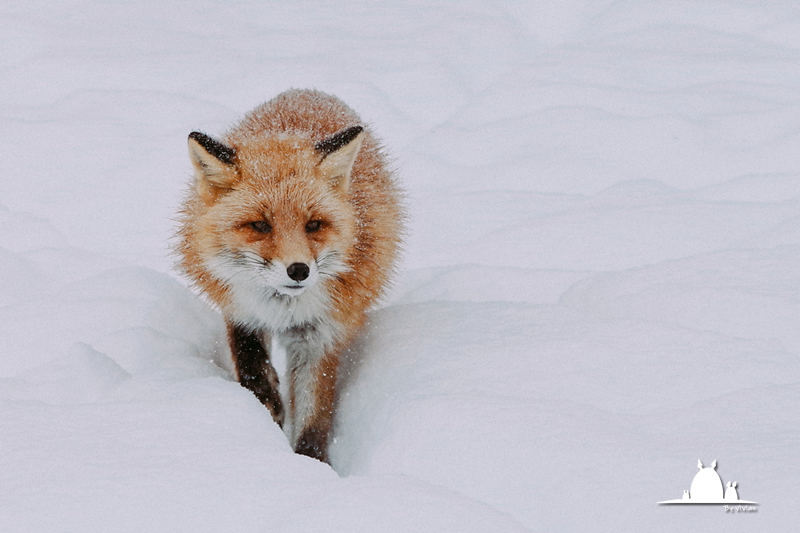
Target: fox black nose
[{"x": 298, "y": 271}]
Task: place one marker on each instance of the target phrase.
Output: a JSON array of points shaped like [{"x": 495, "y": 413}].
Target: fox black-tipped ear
[
  {"x": 213, "y": 161},
  {"x": 338, "y": 155},
  {"x": 213, "y": 147}
]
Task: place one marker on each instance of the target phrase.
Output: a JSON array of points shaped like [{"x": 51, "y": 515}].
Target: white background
[{"x": 601, "y": 281}]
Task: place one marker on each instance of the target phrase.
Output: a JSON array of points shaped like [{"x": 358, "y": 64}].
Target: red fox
[{"x": 292, "y": 228}]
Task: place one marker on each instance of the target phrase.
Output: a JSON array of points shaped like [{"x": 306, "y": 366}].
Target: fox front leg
[
  {"x": 312, "y": 371},
  {"x": 314, "y": 429},
  {"x": 254, "y": 369}
]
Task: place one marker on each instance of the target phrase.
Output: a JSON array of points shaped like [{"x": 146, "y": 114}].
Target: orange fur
[{"x": 340, "y": 216}]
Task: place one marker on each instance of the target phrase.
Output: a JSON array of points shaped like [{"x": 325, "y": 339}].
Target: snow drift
[{"x": 601, "y": 284}]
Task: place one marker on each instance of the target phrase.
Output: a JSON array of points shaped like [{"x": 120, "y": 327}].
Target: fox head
[{"x": 275, "y": 213}]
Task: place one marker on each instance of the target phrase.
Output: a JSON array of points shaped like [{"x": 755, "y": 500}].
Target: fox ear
[
  {"x": 338, "y": 155},
  {"x": 214, "y": 162}
]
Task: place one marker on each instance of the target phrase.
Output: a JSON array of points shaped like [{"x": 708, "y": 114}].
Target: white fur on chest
[{"x": 261, "y": 308}]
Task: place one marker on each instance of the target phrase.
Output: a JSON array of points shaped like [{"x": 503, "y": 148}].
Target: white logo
[{"x": 707, "y": 488}]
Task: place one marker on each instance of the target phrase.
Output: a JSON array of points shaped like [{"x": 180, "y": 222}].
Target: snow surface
[{"x": 601, "y": 283}]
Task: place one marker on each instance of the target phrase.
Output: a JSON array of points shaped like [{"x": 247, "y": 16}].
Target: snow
[{"x": 601, "y": 282}]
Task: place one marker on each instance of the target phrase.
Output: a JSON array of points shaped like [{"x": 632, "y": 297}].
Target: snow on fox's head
[{"x": 276, "y": 214}]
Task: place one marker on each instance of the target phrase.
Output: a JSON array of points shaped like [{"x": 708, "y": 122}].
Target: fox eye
[
  {"x": 261, "y": 226},
  {"x": 313, "y": 225}
]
